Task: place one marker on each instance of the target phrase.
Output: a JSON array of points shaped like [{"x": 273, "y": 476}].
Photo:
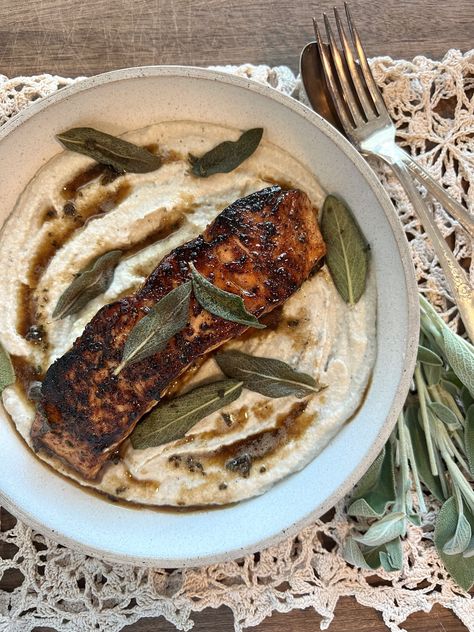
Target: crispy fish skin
[{"x": 261, "y": 247}]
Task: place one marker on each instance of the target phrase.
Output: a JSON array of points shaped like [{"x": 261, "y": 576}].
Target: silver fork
[{"x": 368, "y": 125}]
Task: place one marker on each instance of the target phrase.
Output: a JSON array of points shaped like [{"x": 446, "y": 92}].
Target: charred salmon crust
[{"x": 261, "y": 247}]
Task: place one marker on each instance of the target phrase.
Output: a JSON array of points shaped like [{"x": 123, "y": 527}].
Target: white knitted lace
[{"x": 433, "y": 106}]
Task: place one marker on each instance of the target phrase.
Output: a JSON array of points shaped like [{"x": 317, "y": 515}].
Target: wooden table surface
[{"x": 72, "y": 38}]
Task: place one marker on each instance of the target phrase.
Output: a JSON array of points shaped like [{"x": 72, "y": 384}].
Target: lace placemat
[{"x": 432, "y": 104}]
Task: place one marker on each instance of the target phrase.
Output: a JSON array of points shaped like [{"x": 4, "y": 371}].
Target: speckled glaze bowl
[{"x": 132, "y": 98}]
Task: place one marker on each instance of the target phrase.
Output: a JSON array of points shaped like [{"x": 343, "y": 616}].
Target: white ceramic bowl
[{"x": 128, "y": 99}]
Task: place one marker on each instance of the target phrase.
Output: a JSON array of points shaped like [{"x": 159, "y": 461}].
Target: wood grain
[
  {"x": 83, "y": 38},
  {"x": 91, "y": 36}
]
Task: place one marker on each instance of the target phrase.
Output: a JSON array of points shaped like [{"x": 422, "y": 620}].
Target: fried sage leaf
[
  {"x": 227, "y": 156},
  {"x": 221, "y": 303},
  {"x": 164, "y": 320},
  {"x": 270, "y": 377},
  {"x": 109, "y": 150},
  {"x": 89, "y": 283},
  {"x": 7, "y": 372},
  {"x": 172, "y": 419},
  {"x": 347, "y": 254}
]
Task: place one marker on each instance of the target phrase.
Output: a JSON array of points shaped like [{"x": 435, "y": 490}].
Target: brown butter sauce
[
  {"x": 289, "y": 425},
  {"x": 62, "y": 229},
  {"x": 25, "y": 373},
  {"x": 65, "y": 223}
]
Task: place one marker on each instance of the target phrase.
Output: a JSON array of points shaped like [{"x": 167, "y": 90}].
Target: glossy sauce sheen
[
  {"x": 265, "y": 244},
  {"x": 65, "y": 222},
  {"x": 63, "y": 228}
]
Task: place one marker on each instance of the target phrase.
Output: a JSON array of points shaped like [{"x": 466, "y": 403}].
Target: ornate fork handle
[
  {"x": 457, "y": 278},
  {"x": 452, "y": 206}
]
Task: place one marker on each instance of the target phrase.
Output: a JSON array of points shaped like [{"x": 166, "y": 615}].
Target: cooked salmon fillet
[{"x": 261, "y": 247}]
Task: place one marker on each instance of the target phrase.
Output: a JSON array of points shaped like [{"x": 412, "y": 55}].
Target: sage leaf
[
  {"x": 109, "y": 150},
  {"x": 390, "y": 555},
  {"x": 347, "y": 254},
  {"x": 469, "y": 438},
  {"x": 395, "y": 553},
  {"x": 352, "y": 553},
  {"x": 370, "y": 478},
  {"x": 221, "y": 303},
  {"x": 362, "y": 509},
  {"x": 469, "y": 551},
  {"x": 152, "y": 332},
  {"x": 91, "y": 281},
  {"x": 172, "y": 419},
  {"x": 7, "y": 372},
  {"x": 461, "y": 538},
  {"x": 445, "y": 414},
  {"x": 466, "y": 398},
  {"x": 414, "y": 519},
  {"x": 426, "y": 356},
  {"x": 228, "y": 155},
  {"x": 451, "y": 376},
  {"x": 460, "y": 356},
  {"x": 267, "y": 376},
  {"x": 372, "y": 556},
  {"x": 388, "y": 528},
  {"x": 460, "y": 568},
  {"x": 420, "y": 451},
  {"x": 449, "y": 387},
  {"x": 432, "y": 374},
  {"x": 386, "y": 563},
  {"x": 378, "y": 492}
]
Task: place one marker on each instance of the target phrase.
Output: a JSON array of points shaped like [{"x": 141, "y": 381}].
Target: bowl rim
[{"x": 412, "y": 333}]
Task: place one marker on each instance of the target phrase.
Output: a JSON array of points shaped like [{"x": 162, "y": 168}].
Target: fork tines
[{"x": 355, "y": 93}]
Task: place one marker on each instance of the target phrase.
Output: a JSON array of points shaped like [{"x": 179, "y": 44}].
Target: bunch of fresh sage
[{"x": 432, "y": 446}]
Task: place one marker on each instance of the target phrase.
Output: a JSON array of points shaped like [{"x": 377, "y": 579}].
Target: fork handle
[
  {"x": 438, "y": 193},
  {"x": 457, "y": 278}
]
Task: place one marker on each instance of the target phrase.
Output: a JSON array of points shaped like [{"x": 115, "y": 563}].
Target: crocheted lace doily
[{"x": 433, "y": 106}]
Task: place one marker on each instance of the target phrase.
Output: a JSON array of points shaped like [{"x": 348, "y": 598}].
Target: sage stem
[
  {"x": 414, "y": 471},
  {"x": 420, "y": 386},
  {"x": 459, "y": 480}
]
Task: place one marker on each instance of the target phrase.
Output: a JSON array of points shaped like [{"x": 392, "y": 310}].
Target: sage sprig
[
  {"x": 89, "y": 283},
  {"x": 109, "y": 150},
  {"x": 347, "y": 255},
  {"x": 228, "y": 155},
  {"x": 172, "y": 419},
  {"x": 434, "y": 444},
  {"x": 7, "y": 372},
  {"x": 152, "y": 332},
  {"x": 268, "y": 376},
  {"x": 221, "y": 303}
]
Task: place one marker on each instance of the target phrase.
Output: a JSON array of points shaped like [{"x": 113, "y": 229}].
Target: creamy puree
[{"x": 258, "y": 440}]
